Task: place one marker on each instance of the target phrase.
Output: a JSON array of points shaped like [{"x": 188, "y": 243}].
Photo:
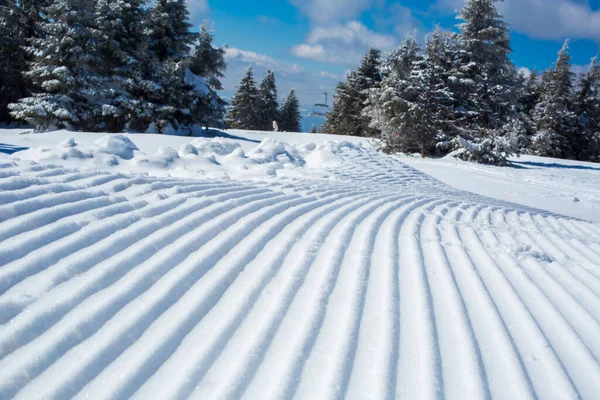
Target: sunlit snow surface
[{"x": 171, "y": 267}]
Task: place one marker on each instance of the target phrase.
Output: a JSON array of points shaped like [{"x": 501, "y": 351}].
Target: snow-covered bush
[{"x": 494, "y": 151}]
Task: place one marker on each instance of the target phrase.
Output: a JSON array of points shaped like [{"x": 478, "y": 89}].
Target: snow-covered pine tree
[
  {"x": 441, "y": 50},
  {"x": 61, "y": 70},
  {"x": 13, "y": 60},
  {"x": 20, "y": 24},
  {"x": 485, "y": 84},
  {"x": 289, "y": 114},
  {"x": 531, "y": 92},
  {"x": 347, "y": 117},
  {"x": 367, "y": 78},
  {"x": 587, "y": 104},
  {"x": 243, "y": 111},
  {"x": 402, "y": 107},
  {"x": 391, "y": 106},
  {"x": 165, "y": 96},
  {"x": 206, "y": 66},
  {"x": 267, "y": 102},
  {"x": 337, "y": 121},
  {"x": 400, "y": 60},
  {"x": 32, "y": 16},
  {"x": 523, "y": 127},
  {"x": 121, "y": 45},
  {"x": 555, "y": 121},
  {"x": 485, "y": 46},
  {"x": 208, "y": 61},
  {"x": 413, "y": 106},
  {"x": 169, "y": 30}
]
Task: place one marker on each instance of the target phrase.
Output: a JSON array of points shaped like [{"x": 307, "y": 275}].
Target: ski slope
[{"x": 345, "y": 274}]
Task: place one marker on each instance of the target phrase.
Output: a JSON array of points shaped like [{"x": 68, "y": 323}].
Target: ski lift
[{"x": 320, "y": 109}]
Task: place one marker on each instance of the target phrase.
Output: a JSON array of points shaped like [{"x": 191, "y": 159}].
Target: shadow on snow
[
  {"x": 10, "y": 149},
  {"x": 553, "y": 165},
  {"x": 213, "y": 133}
]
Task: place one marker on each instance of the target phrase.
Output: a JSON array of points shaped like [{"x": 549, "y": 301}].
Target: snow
[
  {"x": 565, "y": 187},
  {"x": 237, "y": 155},
  {"x": 262, "y": 265}
]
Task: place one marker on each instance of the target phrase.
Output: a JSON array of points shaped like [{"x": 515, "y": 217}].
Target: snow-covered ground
[
  {"x": 153, "y": 266},
  {"x": 566, "y": 187}
]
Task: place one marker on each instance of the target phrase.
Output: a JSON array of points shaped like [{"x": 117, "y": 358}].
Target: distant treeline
[{"x": 256, "y": 108}]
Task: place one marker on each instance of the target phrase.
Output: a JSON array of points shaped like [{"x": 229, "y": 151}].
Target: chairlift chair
[{"x": 320, "y": 109}]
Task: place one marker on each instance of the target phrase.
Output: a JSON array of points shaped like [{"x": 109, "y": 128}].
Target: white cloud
[
  {"x": 350, "y": 33},
  {"x": 547, "y": 19},
  {"x": 400, "y": 19},
  {"x": 267, "y": 20},
  {"x": 325, "y": 74},
  {"x": 338, "y": 36},
  {"x": 235, "y": 56},
  {"x": 341, "y": 43},
  {"x": 198, "y": 9},
  {"x": 326, "y": 11},
  {"x": 249, "y": 58},
  {"x": 311, "y": 52}
]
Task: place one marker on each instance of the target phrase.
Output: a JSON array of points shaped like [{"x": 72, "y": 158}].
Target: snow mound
[
  {"x": 117, "y": 145},
  {"x": 329, "y": 154},
  {"x": 68, "y": 143},
  {"x": 201, "y": 158},
  {"x": 275, "y": 151},
  {"x": 188, "y": 149},
  {"x": 217, "y": 146}
]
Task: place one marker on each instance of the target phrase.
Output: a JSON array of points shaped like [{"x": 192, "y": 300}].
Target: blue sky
[{"x": 311, "y": 44}]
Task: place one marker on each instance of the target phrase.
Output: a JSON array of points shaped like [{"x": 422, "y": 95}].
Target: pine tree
[
  {"x": 207, "y": 65},
  {"x": 169, "y": 31},
  {"x": 61, "y": 71},
  {"x": 12, "y": 58},
  {"x": 393, "y": 107},
  {"x": 165, "y": 98},
  {"x": 208, "y": 62},
  {"x": 338, "y": 120},
  {"x": 531, "y": 92},
  {"x": 414, "y": 104},
  {"x": 32, "y": 17},
  {"x": 485, "y": 46},
  {"x": 243, "y": 111},
  {"x": 485, "y": 84},
  {"x": 587, "y": 104},
  {"x": 441, "y": 51},
  {"x": 267, "y": 102},
  {"x": 555, "y": 121},
  {"x": 20, "y": 24},
  {"x": 367, "y": 78},
  {"x": 347, "y": 117},
  {"x": 121, "y": 45},
  {"x": 290, "y": 119},
  {"x": 400, "y": 60}
]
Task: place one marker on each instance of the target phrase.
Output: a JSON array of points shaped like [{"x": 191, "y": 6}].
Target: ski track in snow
[{"x": 372, "y": 282}]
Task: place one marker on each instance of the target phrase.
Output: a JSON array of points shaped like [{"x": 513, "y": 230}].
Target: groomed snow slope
[
  {"x": 362, "y": 278},
  {"x": 562, "y": 186}
]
